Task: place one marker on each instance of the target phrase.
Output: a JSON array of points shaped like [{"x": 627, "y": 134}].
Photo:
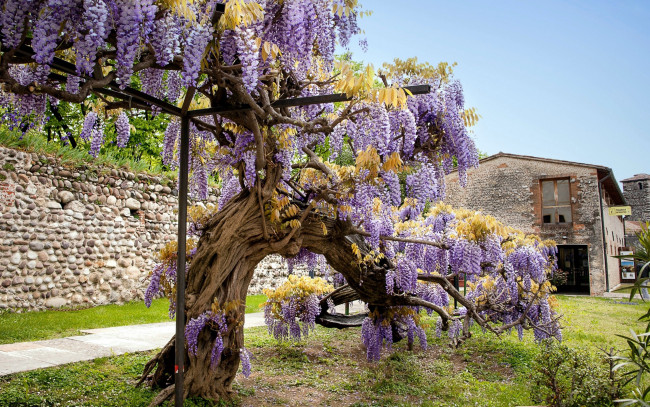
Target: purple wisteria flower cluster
[
  {"x": 86, "y": 25},
  {"x": 123, "y": 129},
  {"x": 162, "y": 281},
  {"x": 28, "y": 111},
  {"x": 505, "y": 272},
  {"x": 291, "y": 310},
  {"x": 379, "y": 329},
  {"x": 297, "y": 35},
  {"x": 216, "y": 322},
  {"x": 297, "y": 317}
]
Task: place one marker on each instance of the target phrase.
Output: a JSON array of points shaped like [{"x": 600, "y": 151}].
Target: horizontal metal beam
[
  {"x": 108, "y": 92},
  {"x": 125, "y": 94},
  {"x": 129, "y": 93},
  {"x": 303, "y": 101}
]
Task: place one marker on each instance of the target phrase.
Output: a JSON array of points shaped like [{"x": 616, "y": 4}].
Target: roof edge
[
  {"x": 604, "y": 173},
  {"x": 637, "y": 177},
  {"x": 549, "y": 160}
]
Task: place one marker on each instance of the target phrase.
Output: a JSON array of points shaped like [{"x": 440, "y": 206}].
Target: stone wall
[
  {"x": 78, "y": 237},
  {"x": 637, "y": 195},
  {"x": 273, "y": 272},
  {"x": 509, "y": 189}
]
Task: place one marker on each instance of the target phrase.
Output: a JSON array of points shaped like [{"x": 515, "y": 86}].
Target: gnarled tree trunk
[
  {"x": 228, "y": 251},
  {"x": 232, "y": 244}
]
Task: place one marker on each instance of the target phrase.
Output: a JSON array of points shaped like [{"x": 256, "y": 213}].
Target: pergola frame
[{"x": 138, "y": 99}]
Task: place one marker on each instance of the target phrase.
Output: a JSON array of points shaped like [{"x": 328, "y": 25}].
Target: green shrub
[{"x": 566, "y": 377}]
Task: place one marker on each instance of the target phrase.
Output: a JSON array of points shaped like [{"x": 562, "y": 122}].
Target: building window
[
  {"x": 556, "y": 201},
  {"x": 640, "y": 185}
]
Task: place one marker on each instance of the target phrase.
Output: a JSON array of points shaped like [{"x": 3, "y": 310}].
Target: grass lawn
[
  {"x": 33, "y": 326},
  {"x": 330, "y": 368}
]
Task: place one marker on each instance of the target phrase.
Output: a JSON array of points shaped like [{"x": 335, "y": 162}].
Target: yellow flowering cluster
[
  {"x": 169, "y": 252},
  {"x": 368, "y": 160},
  {"x": 286, "y": 137},
  {"x": 231, "y": 309},
  {"x": 199, "y": 214},
  {"x": 297, "y": 287},
  {"x": 370, "y": 257},
  {"x": 488, "y": 284},
  {"x": 520, "y": 239},
  {"x": 473, "y": 225},
  {"x": 281, "y": 212},
  {"x": 414, "y": 227}
]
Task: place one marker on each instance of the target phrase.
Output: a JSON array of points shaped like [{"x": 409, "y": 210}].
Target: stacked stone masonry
[
  {"x": 83, "y": 237},
  {"x": 637, "y": 195},
  {"x": 508, "y": 188}
]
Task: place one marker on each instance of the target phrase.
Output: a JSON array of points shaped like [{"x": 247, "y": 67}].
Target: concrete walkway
[
  {"x": 626, "y": 296},
  {"x": 97, "y": 343}
]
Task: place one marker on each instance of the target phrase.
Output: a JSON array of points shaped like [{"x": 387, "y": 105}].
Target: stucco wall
[{"x": 615, "y": 240}]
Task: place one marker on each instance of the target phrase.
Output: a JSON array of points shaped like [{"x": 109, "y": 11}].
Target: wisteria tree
[{"x": 352, "y": 185}]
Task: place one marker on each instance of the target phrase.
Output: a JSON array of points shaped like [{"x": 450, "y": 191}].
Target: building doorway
[{"x": 573, "y": 260}]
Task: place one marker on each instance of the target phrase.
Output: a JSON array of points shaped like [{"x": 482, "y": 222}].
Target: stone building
[
  {"x": 560, "y": 200},
  {"x": 636, "y": 191},
  {"x": 637, "y": 194}
]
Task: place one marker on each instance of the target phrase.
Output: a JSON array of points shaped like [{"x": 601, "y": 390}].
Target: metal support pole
[
  {"x": 456, "y": 286},
  {"x": 180, "y": 265},
  {"x": 624, "y": 235}
]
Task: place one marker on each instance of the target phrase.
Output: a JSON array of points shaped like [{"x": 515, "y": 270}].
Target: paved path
[
  {"x": 621, "y": 296},
  {"x": 23, "y": 356}
]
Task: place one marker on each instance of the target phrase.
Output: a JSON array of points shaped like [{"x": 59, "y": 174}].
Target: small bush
[{"x": 566, "y": 377}]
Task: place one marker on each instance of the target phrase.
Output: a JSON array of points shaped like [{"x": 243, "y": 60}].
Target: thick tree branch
[
  {"x": 403, "y": 239},
  {"x": 260, "y": 156},
  {"x": 419, "y": 302}
]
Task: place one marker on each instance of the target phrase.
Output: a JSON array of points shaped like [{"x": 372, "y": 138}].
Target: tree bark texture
[
  {"x": 224, "y": 263},
  {"x": 231, "y": 246}
]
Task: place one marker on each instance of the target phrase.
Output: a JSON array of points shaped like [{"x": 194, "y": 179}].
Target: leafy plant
[
  {"x": 566, "y": 377},
  {"x": 638, "y": 356},
  {"x": 636, "y": 360}
]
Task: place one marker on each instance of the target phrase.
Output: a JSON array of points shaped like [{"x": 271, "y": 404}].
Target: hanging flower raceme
[
  {"x": 97, "y": 135},
  {"x": 504, "y": 271},
  {"x": 291, "y": 309},
  {"x": 123, "y": 129},
  {"x": 379, "y": 329},
  {"x": 219, "y": 319},
  {"x": 162, "y": 279},
  {"x": 374, "y": 167}
]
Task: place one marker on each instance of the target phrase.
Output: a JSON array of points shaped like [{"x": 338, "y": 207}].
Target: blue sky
[{"x": 568, "y": 80}]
